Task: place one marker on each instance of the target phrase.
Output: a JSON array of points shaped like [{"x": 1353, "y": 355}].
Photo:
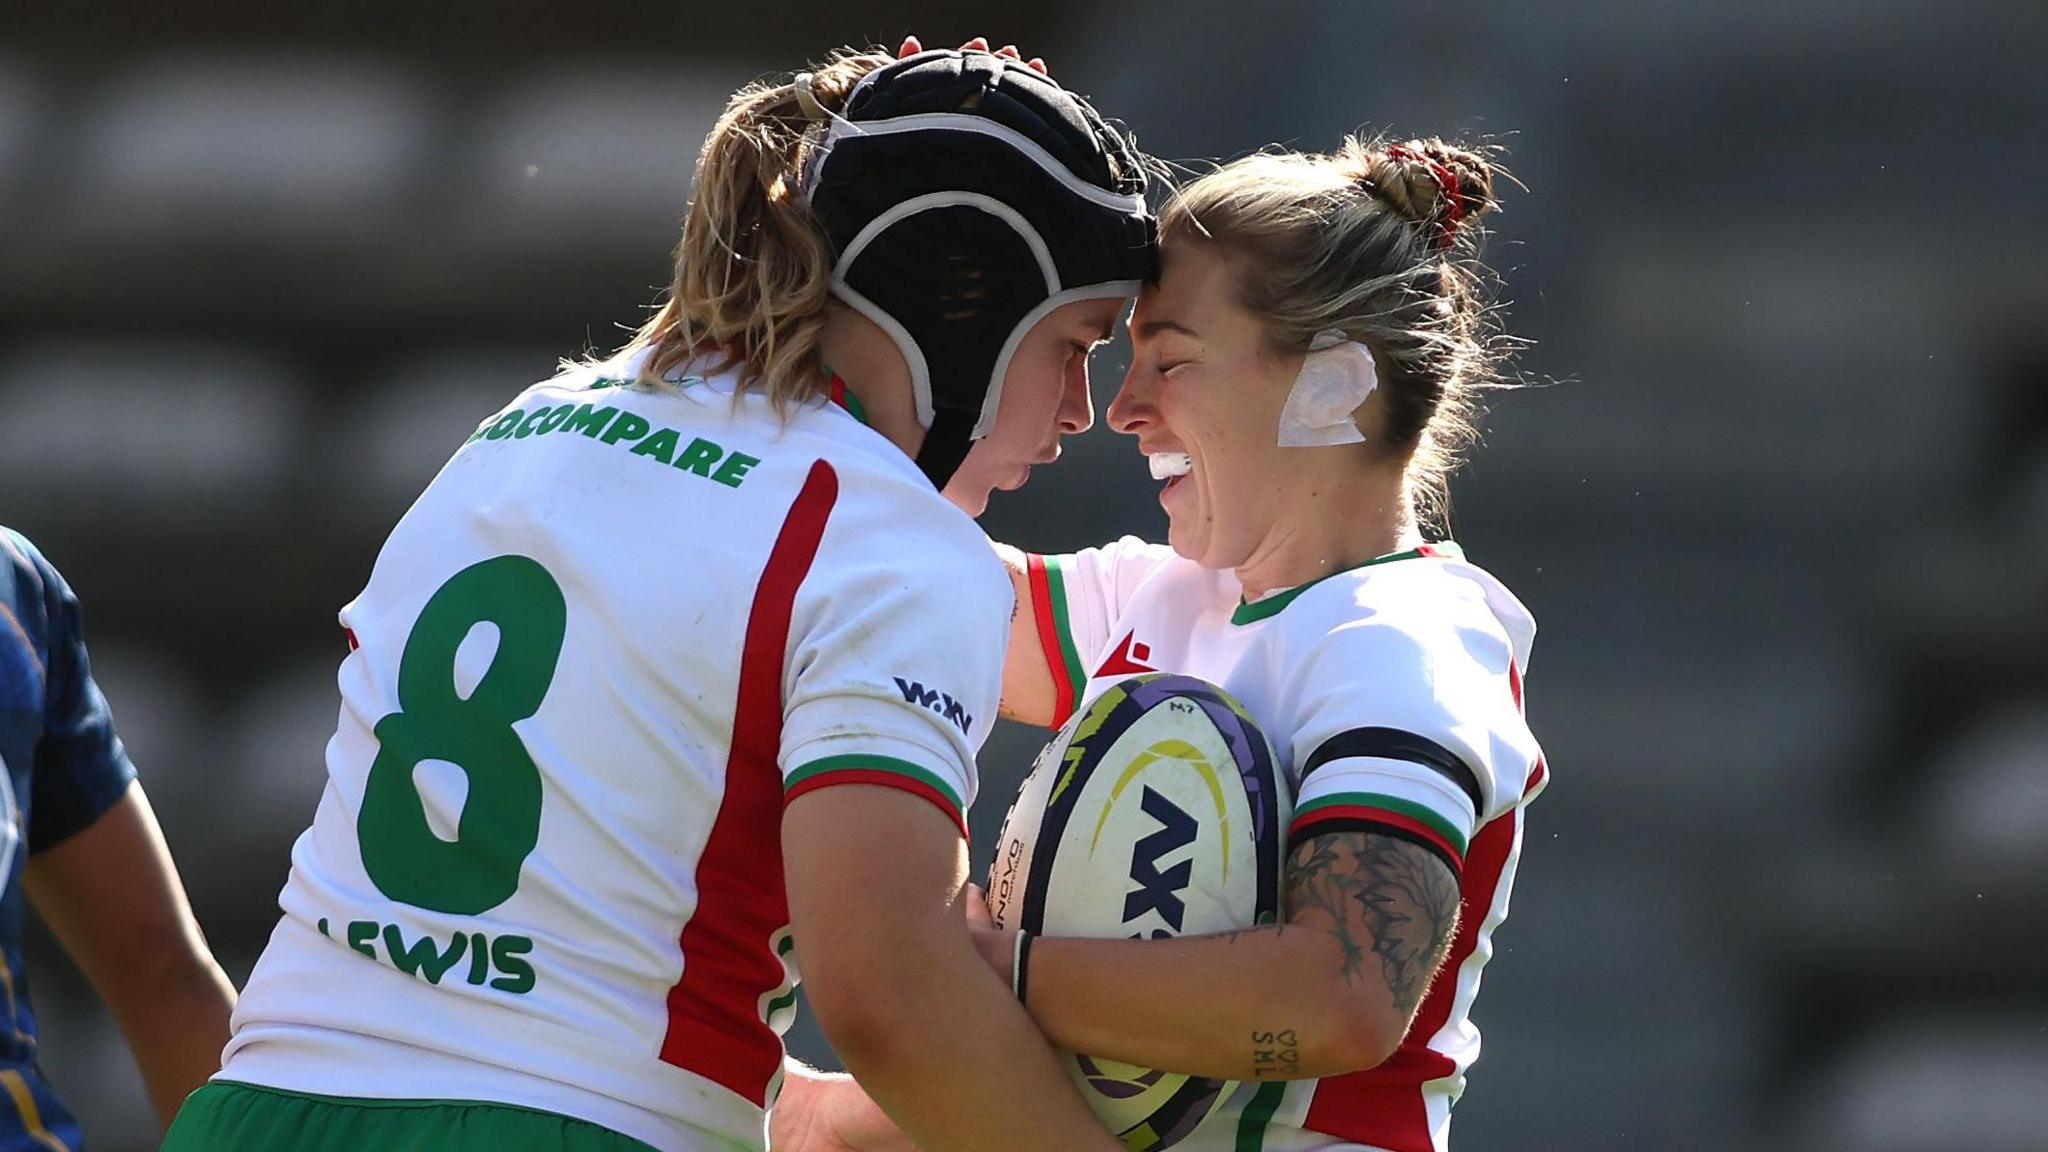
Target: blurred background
[{"x": 1780, "y": 502}]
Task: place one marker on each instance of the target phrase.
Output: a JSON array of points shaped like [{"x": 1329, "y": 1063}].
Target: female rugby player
[
  {"x": 671, "y": 681},
  {"x": 1303, "y": 379}
]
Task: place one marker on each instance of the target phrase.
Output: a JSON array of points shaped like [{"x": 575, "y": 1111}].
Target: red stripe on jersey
[
  {"x": 1384, "y": 1106},
  {"x": 1534, "y": 783},
  {"x": 714, "y": 1019},
  {"x": 1049, "y": 639},
  {"x": 1306, "y": 826},
  {"x": 886, "y": 779}
]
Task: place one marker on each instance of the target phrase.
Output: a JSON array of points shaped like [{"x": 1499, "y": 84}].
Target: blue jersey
[{"x": 63, "y": 768}]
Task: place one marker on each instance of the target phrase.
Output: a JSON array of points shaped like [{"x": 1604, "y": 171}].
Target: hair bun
[{"x": 1432, "y": 184}]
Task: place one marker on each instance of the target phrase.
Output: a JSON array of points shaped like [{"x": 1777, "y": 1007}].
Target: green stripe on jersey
[
  {"x": 1056, "y": 591},
  {"x": 1258, "y": 1114},
  {"x": 227, "y": 1116},
  {"x": 1395, "y": 804},
  {"x": 863, "y": 761},
  {"x": 784, "y": 945}
]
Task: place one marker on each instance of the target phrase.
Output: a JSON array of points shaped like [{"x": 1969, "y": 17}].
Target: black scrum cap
[{"x": 965, "y": 196}]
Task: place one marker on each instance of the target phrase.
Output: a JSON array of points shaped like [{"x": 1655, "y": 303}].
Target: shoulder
[
  {"x": 21, "y": 558},
  {"x": 900, "y": 539},
  {"x": 887, "y": 533},
  {"x": 1128, "y": 558},
  {"x": 1427, "y": 653},
  {"x": 1121, "y": 567},
  {"x": 26, "y": 585},
  {"x": 30, "y": 586},
  {"x": 1431, "y": 611},
  {"x": 959, "y": 560},
  {"x": 1130, "y": 550}
]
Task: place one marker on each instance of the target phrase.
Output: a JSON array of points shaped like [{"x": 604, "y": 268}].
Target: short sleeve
[
  {"x": 896, "y": 673},
  {"x": 80, "y": 768},
  {"x": 1409, "y": 728},
  {"x": 1076, "y": 599}
]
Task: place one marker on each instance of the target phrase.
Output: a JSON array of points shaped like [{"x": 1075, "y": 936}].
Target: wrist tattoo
[{"x": 1276, "y": 1054}]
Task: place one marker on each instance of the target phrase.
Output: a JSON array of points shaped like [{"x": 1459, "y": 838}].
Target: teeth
[{"x": 1166, "y": 465}]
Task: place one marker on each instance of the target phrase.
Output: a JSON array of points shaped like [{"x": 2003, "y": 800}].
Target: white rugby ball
[{"x": 1157, "y": 811}]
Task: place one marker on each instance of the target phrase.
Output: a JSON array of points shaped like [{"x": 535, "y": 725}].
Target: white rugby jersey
[
  {"x": 616, "y": 634},
  {"x": 1392, "y": 694}
]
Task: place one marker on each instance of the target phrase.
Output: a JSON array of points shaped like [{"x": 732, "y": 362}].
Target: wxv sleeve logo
[{"x": 939, "y": 702}]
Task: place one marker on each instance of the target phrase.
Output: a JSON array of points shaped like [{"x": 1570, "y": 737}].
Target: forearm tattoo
[
  {"x": 1276, "y": 1054},
  {"x": 1388, "y": 901}
]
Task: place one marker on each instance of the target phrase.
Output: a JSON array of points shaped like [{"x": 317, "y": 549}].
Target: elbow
[
  {"x": 189, "y": 982},
  {"x": 1356, "y": 1024},
  {"x": 1362, "y": 1040},
  {"x": 1359, "y": 1029},
  {"x": 854, "y": 1014},
  {"x": 865, "y": 1009},
  {"x": 870, "y": 983}
]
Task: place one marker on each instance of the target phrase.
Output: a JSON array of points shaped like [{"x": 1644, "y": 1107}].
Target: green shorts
[{"x": 229, "y": 1117}]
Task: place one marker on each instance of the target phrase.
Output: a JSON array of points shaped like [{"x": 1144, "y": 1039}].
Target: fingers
[
  {"x": 976, "y": 902},
  {"x": 912, "y": 46}
]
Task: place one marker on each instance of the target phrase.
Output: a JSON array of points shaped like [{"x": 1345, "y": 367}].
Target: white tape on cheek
[{"x": 1335, "y": 379}]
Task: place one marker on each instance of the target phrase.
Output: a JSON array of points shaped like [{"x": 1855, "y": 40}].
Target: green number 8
[{"x": 500, "y": 822}]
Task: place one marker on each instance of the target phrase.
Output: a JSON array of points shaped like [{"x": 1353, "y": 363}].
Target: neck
[
  {"x": 1339, "y": 518},
  {"x": 856, "y": 350}
]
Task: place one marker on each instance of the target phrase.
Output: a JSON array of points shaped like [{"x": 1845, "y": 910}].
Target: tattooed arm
[
  {"x": 1390, "y": 906},
  {"x": 1370, "y": 917}
]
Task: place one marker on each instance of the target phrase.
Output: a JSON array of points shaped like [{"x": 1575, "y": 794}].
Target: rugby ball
[{"x": 1157, "y": 811}]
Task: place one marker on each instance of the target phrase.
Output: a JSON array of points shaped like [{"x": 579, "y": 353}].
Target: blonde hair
[
  {"x": 753, "y": 268},
  {"x": 1377, "y": 240}
]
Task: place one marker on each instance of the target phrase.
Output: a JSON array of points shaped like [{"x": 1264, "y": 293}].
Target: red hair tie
[{"x": 1446, "y": 186}]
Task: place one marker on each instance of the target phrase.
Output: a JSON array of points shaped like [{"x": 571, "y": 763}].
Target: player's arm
[
  {"x": 113, "y": 898},
  {"x": 1333, "y": 990},
  {"x": 1028, "y": 687},
  {"x": 874, "y": 878},
  {"x": 99, "y": 873}
]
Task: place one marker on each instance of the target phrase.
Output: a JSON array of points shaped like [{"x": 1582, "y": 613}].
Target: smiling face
[
  {"x": 1204, "y": 381},
  {"x": 1045, "y": 396}
]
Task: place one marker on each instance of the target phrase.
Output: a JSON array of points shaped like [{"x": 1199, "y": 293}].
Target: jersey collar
[
  {"x": 843, "y": 396},
  {"x": 1252, "y": 611}
]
